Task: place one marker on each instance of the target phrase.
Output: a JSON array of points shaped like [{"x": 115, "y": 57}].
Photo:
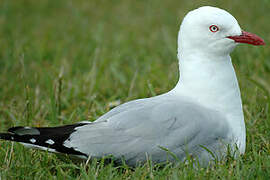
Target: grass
[{"x": 65, "y": 61}]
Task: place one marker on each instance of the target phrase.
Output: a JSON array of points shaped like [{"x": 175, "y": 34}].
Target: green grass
[{"x": 64, "y": 61}]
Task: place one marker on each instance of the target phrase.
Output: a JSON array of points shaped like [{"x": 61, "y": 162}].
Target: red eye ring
[{"x": 213, "y": 28}]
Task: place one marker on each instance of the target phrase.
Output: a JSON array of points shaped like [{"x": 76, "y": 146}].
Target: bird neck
[{"x": 211, "y": 82}]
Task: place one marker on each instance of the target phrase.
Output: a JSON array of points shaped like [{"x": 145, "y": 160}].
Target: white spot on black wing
[
  {"x": 33, "y": 140},
  {"x": 49, "y": 141}
]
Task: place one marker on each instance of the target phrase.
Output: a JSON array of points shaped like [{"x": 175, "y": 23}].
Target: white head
[{"x": 212, "y": 31}]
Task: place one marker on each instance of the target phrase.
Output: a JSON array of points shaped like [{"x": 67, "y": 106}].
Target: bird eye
[{"x": 213, "y": 28}]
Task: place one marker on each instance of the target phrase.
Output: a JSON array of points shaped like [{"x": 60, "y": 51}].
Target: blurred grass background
[{"x": 67, "y": 60}]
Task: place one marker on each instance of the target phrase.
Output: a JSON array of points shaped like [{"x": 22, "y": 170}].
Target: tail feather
[
  {"x": 45, "y": 138},
  {"x": 20, "y": 130}
]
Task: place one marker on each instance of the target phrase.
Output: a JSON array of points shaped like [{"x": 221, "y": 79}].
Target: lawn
[{"x": 66, "y": 61}]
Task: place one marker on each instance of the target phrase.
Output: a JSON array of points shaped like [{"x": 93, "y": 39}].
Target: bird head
[{"x": 210, "y": 30}]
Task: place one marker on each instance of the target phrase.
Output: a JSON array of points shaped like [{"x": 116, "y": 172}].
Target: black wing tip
[
  {"x": 7, "y": 136},
  {"x": 71, "y": 126},
  {"x": 48, "y": 137}
]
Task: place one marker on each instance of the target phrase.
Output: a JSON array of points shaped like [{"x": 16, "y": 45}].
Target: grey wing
[{"x": 140, "y": 129}]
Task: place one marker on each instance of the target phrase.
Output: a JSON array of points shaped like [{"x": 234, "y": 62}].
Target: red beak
[{"x": 248, "y": 38}]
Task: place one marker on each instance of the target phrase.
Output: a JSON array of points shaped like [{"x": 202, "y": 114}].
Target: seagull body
[{"x": 203, "y": 112}]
